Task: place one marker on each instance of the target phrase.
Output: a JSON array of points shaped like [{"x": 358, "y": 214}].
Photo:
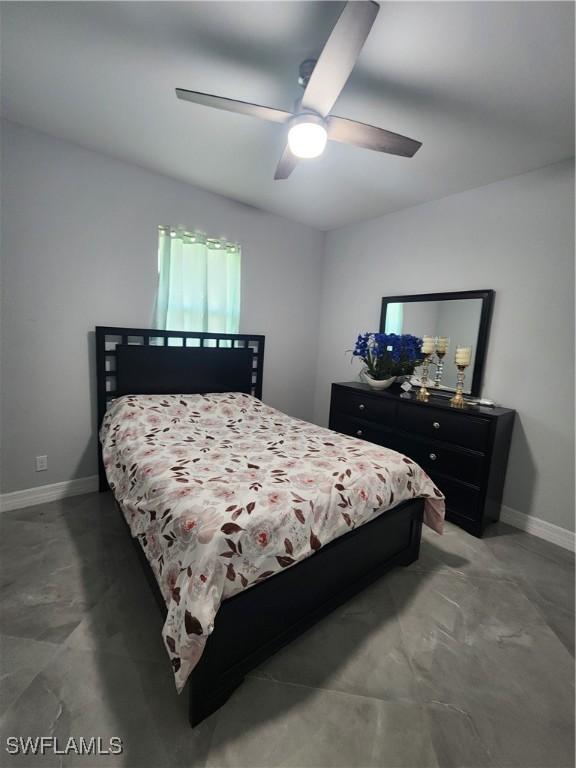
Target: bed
[{"x": 250, "y": 525}]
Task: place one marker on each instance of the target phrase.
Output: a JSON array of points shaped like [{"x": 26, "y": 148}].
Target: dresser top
[{"x": 435, "y": 401}]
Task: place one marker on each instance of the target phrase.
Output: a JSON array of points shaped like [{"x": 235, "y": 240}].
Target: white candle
[
  {"x": 427, "y": 345},
  {"x": 463, "y": 355},
  {"x": 442, "y": 344}
]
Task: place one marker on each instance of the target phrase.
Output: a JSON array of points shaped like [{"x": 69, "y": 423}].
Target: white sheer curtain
[{"x": 198, "y": 283}]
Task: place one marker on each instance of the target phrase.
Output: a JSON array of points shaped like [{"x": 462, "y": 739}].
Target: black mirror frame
[{"x": 487, "y": 297}]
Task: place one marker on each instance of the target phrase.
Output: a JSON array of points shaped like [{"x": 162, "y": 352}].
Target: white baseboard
[
  {"x": 537, "y": 527},
  {"x": 43, "y": 493}
]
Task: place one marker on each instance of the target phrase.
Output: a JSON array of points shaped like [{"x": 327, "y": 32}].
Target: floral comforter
[{"x": 223, "y": 491}]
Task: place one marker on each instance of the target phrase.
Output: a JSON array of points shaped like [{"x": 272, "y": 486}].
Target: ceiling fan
[{"x": 311, "y": 124}]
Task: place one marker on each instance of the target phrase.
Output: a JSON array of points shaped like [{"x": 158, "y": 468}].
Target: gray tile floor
[{"x": 463, "y": 659}]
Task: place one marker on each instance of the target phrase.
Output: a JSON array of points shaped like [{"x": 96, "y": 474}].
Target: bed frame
[{"x": 274, "y": 612}]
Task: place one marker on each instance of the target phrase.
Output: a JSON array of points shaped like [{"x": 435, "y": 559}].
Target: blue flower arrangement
[{"x": 387, "y": 354}]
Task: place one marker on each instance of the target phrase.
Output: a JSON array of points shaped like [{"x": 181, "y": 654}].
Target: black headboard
[
  {"x": 150, "y": 370},
  {"x": 150, "y": 361}
]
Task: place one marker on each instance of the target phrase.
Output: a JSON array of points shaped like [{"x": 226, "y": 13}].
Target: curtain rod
[{"x": 216, "y": 241}]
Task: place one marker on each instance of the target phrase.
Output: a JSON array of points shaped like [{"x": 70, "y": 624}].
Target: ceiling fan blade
[
  {"x": 339, "y": 55},
  {"x": 286, "y": 165},
  {"x": 370, "y": 137},
  {"x": 232, "y": 105}
]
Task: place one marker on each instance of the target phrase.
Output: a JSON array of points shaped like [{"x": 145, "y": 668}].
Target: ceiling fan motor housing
[{"x": 306, "y": 116}]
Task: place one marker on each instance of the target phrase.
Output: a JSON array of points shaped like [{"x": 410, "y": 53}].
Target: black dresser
[{"x": 465, "y": 452}]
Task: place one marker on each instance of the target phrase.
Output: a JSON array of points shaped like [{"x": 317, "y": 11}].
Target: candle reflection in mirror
[
  {"x": 428, "y": 345},
  {"x": 442, "y": 344}
]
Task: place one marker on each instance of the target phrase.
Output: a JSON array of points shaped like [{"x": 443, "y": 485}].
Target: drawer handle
[
  {"x": 436, "y": 424},
  {"x": 361, "y": 407},
  {"x": 433, "y": 456},
  {"x": 359, "y": 432}
]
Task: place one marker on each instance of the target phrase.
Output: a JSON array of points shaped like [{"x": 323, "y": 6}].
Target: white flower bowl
[{"x": 377, "y": 383}]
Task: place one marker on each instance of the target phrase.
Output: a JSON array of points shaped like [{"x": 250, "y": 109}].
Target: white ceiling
[{"x": 488, "y": 87}]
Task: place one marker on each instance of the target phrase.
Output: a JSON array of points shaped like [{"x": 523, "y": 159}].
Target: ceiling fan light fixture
[{"x": 307, "y": 136}]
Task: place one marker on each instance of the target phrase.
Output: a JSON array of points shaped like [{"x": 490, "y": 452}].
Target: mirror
[{"x": 462, "y": 316}]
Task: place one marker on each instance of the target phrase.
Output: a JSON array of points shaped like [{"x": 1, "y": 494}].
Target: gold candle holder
[
  {"x": 428, "y": 344},
  {"x": 442, "y": 343},
  {"x": 462, "y": 359},
  {"x": 458, "y": 400}
]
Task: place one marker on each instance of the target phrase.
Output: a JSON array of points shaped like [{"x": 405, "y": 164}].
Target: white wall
[
  {"x": 515, "y": 236},
  {"x": 79, "y": 249}
]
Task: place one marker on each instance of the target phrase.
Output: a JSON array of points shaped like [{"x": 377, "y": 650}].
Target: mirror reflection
[{"x": 457, "y": 320}]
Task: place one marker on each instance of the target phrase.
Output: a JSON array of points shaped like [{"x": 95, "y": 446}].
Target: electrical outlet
[{"x": 41, "y": 463}]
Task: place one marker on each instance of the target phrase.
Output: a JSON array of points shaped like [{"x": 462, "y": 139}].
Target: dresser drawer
[
  {"x": 458, "y": 428},
  {"x": 348, "y": 425},
  {"x": 368, "y": 407},
  {"x": 463, "y": 465},
  {"x": 460, "y": 499}
]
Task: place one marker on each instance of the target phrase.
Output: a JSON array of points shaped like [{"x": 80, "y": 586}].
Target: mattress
[{"x": 223, "y": 491}]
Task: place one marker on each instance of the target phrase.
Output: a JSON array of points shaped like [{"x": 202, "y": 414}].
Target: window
[
  {"x": 394, "y": 318},
  {"x": 198, "y": 283}
]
